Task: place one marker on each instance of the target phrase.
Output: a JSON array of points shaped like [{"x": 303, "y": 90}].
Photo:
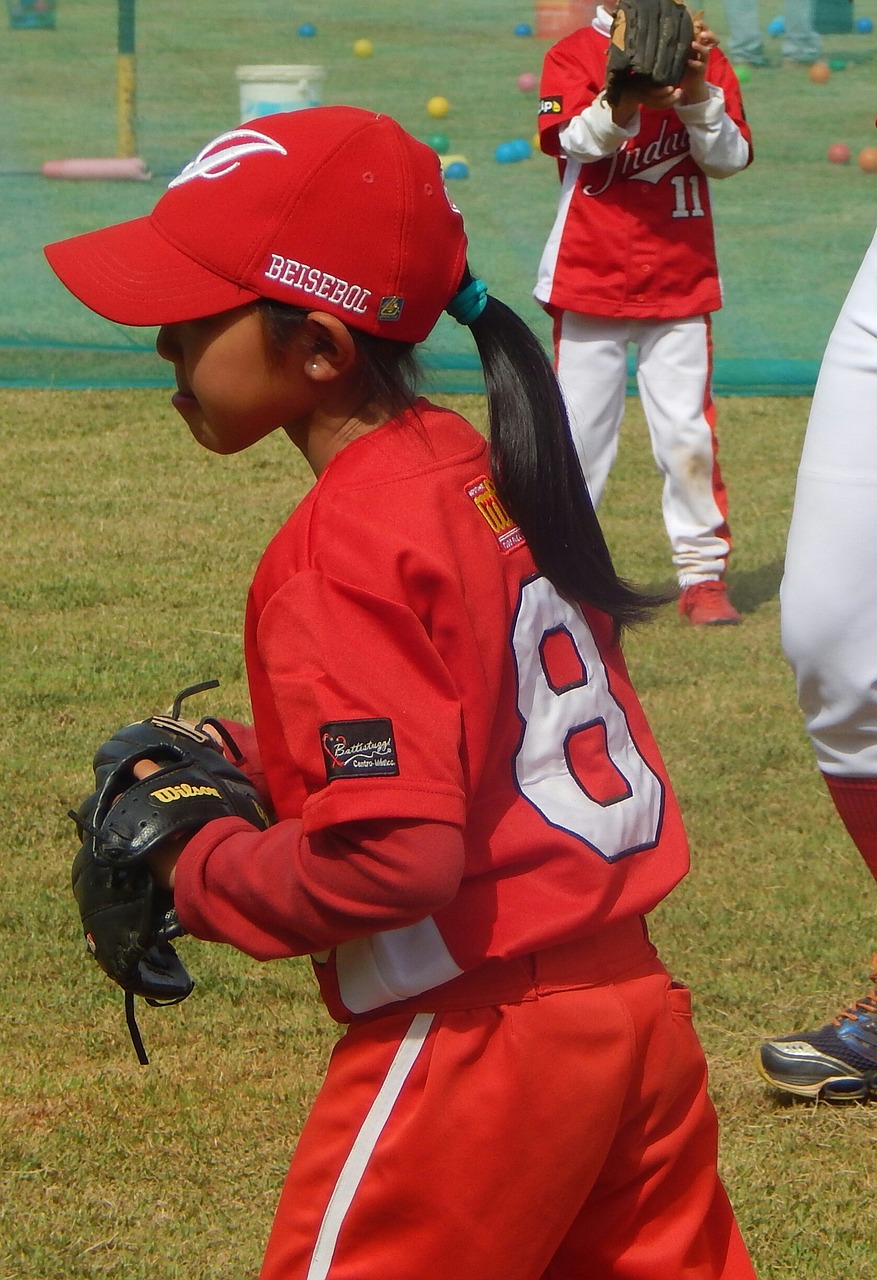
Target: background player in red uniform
[
  {"x": 631, "y": 260},
  {"x": 473, "y": 817},
  {"x": 829, "y": 628}
]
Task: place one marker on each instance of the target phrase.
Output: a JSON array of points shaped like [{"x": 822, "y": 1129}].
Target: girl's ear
[{"x": 329, "y": 344}]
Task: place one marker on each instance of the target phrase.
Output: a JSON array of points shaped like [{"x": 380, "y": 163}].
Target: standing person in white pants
[
  {"x": 801, "y": 43},
  {"x": 631, "y": 260},
  {"x": 829, "y": 630}
]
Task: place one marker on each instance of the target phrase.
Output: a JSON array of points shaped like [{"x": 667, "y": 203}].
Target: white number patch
[
  {"x": 577, "y": 762},
  {"x": 687, "y": 197}
]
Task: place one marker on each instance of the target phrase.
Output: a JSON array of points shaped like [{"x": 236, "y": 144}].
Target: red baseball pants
[{"x": 561, "y": 1135}]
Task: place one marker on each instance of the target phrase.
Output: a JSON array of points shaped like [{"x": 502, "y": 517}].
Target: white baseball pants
[
  {"x": 674, "y": 374},
  {"x": 829, "y": 591}
]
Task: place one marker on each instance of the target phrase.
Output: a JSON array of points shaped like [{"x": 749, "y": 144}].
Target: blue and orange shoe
[{"x": 837, "y": 1062}]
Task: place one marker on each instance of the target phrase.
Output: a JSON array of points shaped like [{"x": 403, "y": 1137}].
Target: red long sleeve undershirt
[{"x": 280, "y": 893}]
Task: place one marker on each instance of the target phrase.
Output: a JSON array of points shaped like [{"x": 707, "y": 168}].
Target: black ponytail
[{"x": 537, "y": 471}]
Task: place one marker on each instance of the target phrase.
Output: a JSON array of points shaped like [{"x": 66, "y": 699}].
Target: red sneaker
[{"x": 706, "y": 604}]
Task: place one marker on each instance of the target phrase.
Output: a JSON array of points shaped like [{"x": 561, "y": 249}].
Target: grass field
[{"x": 128, "y": 554}]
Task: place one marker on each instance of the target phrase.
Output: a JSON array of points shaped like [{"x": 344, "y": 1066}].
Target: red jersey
[
  {"x": 407, "y": 663},
  {"x": 634, "y": 233}
]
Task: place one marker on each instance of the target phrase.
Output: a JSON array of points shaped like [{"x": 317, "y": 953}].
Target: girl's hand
[
  {"x": 693, "y": 87},
  {"x": 162, "y": 861},
  {"x": 631, "y": 100}
]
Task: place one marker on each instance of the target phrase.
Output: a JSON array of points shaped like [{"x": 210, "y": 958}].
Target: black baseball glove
[
  {"x": 128, "y": 920},
  {"x": 649, "y": 46}
]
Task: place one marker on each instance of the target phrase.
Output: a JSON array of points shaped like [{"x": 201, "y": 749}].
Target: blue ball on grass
[{"x": 510, "y": 152}]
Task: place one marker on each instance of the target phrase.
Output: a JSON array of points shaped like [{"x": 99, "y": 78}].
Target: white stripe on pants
[
  {"x": 360, "y": 1152},
  {"x": 673, "y": 376}
]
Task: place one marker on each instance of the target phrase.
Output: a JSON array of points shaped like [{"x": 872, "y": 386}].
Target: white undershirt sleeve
[
  {"x": 717, "y": 145},
  {"x": 593, "y": 134}
]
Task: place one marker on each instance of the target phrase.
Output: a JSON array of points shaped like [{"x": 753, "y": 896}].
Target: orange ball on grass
[{"x": 868, "y": 159}]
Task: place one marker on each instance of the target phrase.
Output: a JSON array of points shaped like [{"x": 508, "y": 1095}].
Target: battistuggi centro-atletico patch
[
  {"x": 359, "y": 749},
  {"x": 483, "y": 493}
]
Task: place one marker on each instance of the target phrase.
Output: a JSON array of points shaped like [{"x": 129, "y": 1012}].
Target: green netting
[{"x": 791, "y": 230}]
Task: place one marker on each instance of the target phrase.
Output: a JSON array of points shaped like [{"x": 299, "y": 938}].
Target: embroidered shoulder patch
[
  {"x": 483, "y": 493},
  {"x": 359, "y": 749}
]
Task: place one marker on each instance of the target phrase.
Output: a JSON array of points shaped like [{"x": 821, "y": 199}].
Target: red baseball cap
[{"x": 330, "y": 208}]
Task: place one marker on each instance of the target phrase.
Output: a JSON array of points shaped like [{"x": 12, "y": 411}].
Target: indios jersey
[
  {"x": 407, "y": 662},
  {"x": 633, "y": 236}
]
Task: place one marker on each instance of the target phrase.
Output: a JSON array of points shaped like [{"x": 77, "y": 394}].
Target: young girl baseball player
[
  {"x": 829, "y": 624},
  {"x": 473, "y": 818},
  {"x": 631, "y": 260}
]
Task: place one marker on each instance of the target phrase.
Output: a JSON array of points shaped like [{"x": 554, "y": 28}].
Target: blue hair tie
[{"x": 467, "y": 305}]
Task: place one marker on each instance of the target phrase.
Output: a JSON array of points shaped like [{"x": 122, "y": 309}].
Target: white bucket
[{"x": 265, "y": 90}]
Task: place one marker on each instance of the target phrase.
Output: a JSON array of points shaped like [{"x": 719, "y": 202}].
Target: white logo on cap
[
  {"x": 449, "y": 200},
  {"x": 225, "y": 153}
]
